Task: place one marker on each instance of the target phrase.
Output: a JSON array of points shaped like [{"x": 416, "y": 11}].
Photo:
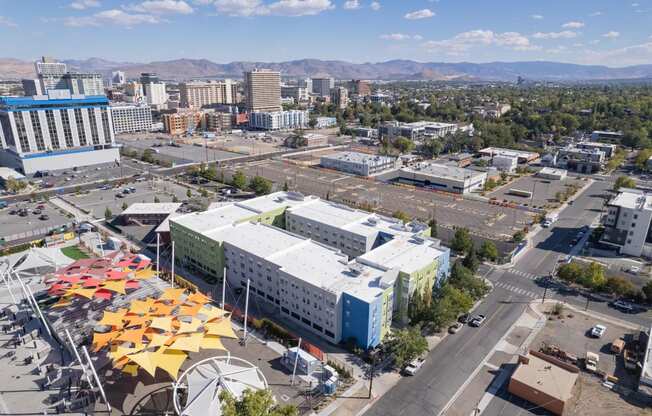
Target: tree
[
  {"x": 124, "y": 206},
  {"x": 462, "y": 241},
  {"x": 570, "y": 272},
  {"x": 254, "y": 403},
  {"x": 489, "y": 251},
  {"x": 406, "y": 345},
  {"x": 175, "y": 199},
  {"x": 518, "y": 236},
  {"x": 260, "y": 185},
  {"x": 620, "y": 286},
  {"x": 647, "y": 290},
  {"x": 449, "y": 303},
  {"x": 433, "y": 227},
  {"x": 156, "y": 200},
  {"x": 203, "y": 192},
  {"x": 403, "y": 144},
  {"x": 14, "y": 185},
  {"x": 312, "y": 122},
  {"x": 400, "y": 215},
  {"x": 490, "y": 184},
  {"x": 593, "y": 276},
  {"x": 642, "y": 157},
  {"x": 464, "y": 280},
  {"x": 432, "y": 148},
  {"x": 108, "y": 214},
  {"x": 471, "y": 261},
  {"x": 239, "y": 180},
  {"x": 624, "y": 182},
  {"x": 189, "y": 193}
]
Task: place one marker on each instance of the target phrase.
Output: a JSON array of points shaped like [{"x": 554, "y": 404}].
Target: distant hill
[{"x": 185, "y": 69}]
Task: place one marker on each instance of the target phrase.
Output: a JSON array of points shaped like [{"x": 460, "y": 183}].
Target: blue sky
[{"x": 607, "y": 32}]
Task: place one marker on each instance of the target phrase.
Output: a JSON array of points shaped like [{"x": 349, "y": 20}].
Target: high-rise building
[
  {"x": 360, "y": 88},
  {"x": 204, "y": 94},
  {"x": 50, "y": 74},
  {"x": 299, "y": 94},
  {"x": 32, "y": 87},
  {"x": 134, "y": 89},
  {"x": 305, "y": 83},
  {"x": 155, "y": 93},
  {"x": 118, "y": 78},
  {"x": 53, "y": 76},
  {"x": 84, "y": 84},
  {"x": 263, "y": 90},
  {"x": 340, "y": 97},
  {"x": 56, "y": 131},
  {"x": 148, "y": 78},
  {"x": 131, "y": 118},
  {"x": 322, "y": 86}
]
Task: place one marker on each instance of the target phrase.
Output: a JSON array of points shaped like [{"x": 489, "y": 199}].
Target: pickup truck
[
  {"x": 413, "y": 366},
  {"x": 591, "y": 361}
]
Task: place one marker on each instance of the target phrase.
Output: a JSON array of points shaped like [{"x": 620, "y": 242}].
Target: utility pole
[
  {"x": 588, "y": 298},
  {"x": 158, "y": 254}
]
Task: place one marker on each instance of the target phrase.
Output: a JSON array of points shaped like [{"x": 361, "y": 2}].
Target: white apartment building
[
  {"x": 198, "y": 94},
  {"x": 84, "y": 84},
  {"x": 279, "y": 120},
  {"x": 155, "y": 93},
  {"x": 443, "y": 177},
  {"x": 362, "y": 164},
  {"x": 131, "y": 118},
  {"x": 417, "y": 131},
  {"x": 627, "y": 223}
]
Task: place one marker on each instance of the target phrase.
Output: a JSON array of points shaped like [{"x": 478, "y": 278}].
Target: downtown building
[
  {"x": 56, "y": 131},
  {"x": 417, "y": 131},
  {"x": 262, "y": 91},
  {"x": 322, "y": 86},
  {"x": 128, "y": 118},
  {"x": 340, "y": 273},
  {"x": 279, "y": 120},
  {"x": 206, "y": 94},
  {"x": 52, "y": 75},
  {"x": 627, "y": 223},
  {"x": 361, "y": 164}
]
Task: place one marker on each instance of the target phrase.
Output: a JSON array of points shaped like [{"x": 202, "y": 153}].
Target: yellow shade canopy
[
  {"x": 212, "y": 313},
  {"x": 145, "y": 274},
  {"x": 189, "y": 327},
  {"x": 100, "y": 340},
  {"x": 87, "y": 293},
  {"x": 163, "y": 323},
  {"x": 135, "y": 336},
  {"x": 172, "y": 294},
  {"x": 162, "y": 309},
  {"x": 145, "y": 360},
  {"x": 190, "y": 342},
  {"x": 62, "y": 302},
  {"x": 141, "y": 306},
  {"x": 121, "y": 351},
  {"x": 198, "y": 297},
  {"x": 117, "y": 286},
  {"x": 189, "y": 310},
  {"x": 136, "y": 320},
  {"x": 158, "y": 340},
  {"x": 131, "y": 369},
  {"x": 169, "y": 361},
  {"x": 221, "y": 328},
  {"x": 113, "y": 318},
  {"x": 212, "y": 342}
]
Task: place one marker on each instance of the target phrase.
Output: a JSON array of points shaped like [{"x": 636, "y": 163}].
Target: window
[
  {"x": 93, "y": 121},
  {"x": 67, "y": 131},
  {"x": 38, "y": 132},
  {"x": 52, "y": 129},
  {"x": 22, "y": 132}
]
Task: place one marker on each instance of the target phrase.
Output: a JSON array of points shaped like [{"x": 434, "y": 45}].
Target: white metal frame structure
[{"x": 206, "y": 379}]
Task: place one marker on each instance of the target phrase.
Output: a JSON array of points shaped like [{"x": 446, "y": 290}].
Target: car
[
  {"x": 105, "y": 187},
  {"x": 477, "y": 320},
  {"x": 464, "y": 319},
  {"x": 132, "y": 190},
  {"x": 119, "y": 196},
  {"x": 40, "y": 206},
  {"x": 413, "y": 366},
  {"x": 126, "y": 191},
  {"x": 622, "y": 306},
  {"x": 22, "y": 213},
  {"x": 44, "y": 217},
  {"x": 37, "y": 212},
  {"x": 141, "y": 179},
  {"x": 598, "y": 330},
  {"x": 633, "y": 269},
  {"x": 573, "y": 242},
  {"x": 546, "y": 224},
  {"x": 13, "y": 212},
  {"x": 455, "y": 327}
]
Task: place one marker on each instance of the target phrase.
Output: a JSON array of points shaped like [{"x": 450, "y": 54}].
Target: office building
[
  {"x": 32, "y": 87},
  {"x": 581, "y": 160},
  {"x": 322, "y": 86},
  {"x": 304, "y": 271},
  {"x": 360, "y": 88},
  {"x": 506, "y": 164},
  {"x": 263, "y": 91},
  {"x": 305, "y": 83},
  {"x": 149, "y": 78},
  {"x": 298, "y": 94},
  {"x": 417, "y": 131},
  {"x": 443, "y": 177},
  {"x": 608, "y": 149},
  {"x": 84, "y": 84},
  {"x": 340, "y": 97},
  {"x": 279, "y": 120},
  {"x": 118, "y": 78},
  {"x": 134, "y": 89},
  {"x": 50, "y": 74},
  {"x": 627, "y": 223},
  {"x": 131, "y": 118},
  {"x": 184, "y": 122},
  {"x": 362, "y": 164},
  {"x": 206, "y": 94},
  {"x": 56, "y": 131},
  {"x": 155, "y": 94},
  {"x": 521, "y": 155},
  {"x": 615, "y": 137}
]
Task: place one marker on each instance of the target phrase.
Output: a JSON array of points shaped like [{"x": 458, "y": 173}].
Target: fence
[{"x": 34, "y": 233}]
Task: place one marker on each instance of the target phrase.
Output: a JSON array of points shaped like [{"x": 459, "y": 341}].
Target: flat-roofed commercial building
[
  {"x": 198, "y": 94},
  {"x": 615, "y": 137},
  {"x": 362, "y": 164},
  {"x": 131, "y": 118},
  {"x": 522, "y": 155},
  {"x": 581, "y": 160},
  {"x": 608, "y": 149},
  {"x": 263, "y": 90},
  {"x": 56, "y": 131},
  {"x": 417, "y": 131},
  {"x": 149, "y": 213},
  {"x": 443, "y": 177}
]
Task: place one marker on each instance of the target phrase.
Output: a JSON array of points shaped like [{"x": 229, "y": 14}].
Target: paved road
[{"x": 451, "y": 364}]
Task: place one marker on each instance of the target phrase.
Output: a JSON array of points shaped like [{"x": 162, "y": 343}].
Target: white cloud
[
  {"x": 400, "y": 36},
  {"x": 5, "y": 21},
  {"x": 565, "y": 34},
  {"x": 573, "y": 25},
  {"x": 462, "y": 42},
  {"x": 112, "y": 17},
  {"x": 161, "y": 7},
  {"x": 375, "y": 6},
  {"x": 536, "y": 16},
  {"x": 352, "y": 4},
  {"x": 419, "y": 14},
  {"x": 417, "y": 37},
  {"x": 611, "y": 34},
  {"x": 557, "y": 50},
  {"x": 594, "y": 14},
  {"x": 279, "y": 8},
  {"x": 84, "y": 4},
  {"x": 630, "y": 55},
  {"x": 635, "y": 4}
]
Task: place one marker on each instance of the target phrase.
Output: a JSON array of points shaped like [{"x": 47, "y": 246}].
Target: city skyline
[{"x": 598, "y": 32}]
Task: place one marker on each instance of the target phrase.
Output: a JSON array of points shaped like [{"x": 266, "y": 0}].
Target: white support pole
[
  {"x": 296, "y": 361},
  {"x": 97, "y": 379},
  {"x": 81, "y": 363},
  {"x": 172, "y": 277},
  {"x": 223, "y": 286},
  {"x": 99, "y": 237},
  {"x": 158, "y": 253},
  {"x": 38, "y": 310},
  {"x": 11, "y": 292},
  {"x": 244, "y": 338},
  {"x": 24, "y": 290}
]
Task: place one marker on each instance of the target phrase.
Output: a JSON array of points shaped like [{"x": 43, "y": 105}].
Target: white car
[
  {"x": 598, "y": 331},
  {"x": 634, "y": 270},
  {"x": 546, "y": 224},
  {"x": 414, "y": 366}
]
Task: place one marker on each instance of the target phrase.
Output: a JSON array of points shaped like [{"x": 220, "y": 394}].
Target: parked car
[
  {"x": 119, "y": 196},
  {"x": 546, "y": 224},
  {"x": 633, "y": 269},
  {"x": 623, "y": 306},
  {"x": 598, "y": 331},
  {"x": 13, "y": 212},
  {"x": 37, "y": 212},
  {"x": 455, "y": 327},
  {"x": 44, "y": 217},
  {"x": 464, "y": 319},
  {"x": 40, "y": 206},
  {"x": 478, "y": 320},
  {"x": 413, "y": 366}
]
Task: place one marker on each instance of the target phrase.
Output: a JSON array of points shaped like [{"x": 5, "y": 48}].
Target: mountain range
[{"x": 186, "y": 69}]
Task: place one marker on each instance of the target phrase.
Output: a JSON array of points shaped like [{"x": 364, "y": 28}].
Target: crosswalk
[
  {"x": 523, "y": 274},
  {"x": 517, "y": 290}
]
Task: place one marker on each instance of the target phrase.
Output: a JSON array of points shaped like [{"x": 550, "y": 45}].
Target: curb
[{"x": 596, "y": 315}]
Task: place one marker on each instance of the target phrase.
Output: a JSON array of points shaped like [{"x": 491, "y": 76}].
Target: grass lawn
[{"x": 74, "y": 253}]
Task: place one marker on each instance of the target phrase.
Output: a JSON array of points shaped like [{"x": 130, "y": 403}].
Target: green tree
[
  {"x": 471, "y": 260},
  {"x": 489, "y": 251},
  {"x": 449, "y": 303},
  {"x": 490, "y": 184},
  {"x": 14, "y": 185},
  {"x": 518, "y": 236},
  {"x": 285, "y": 186},
  {"x": 406, "y": 344},
  {"x": 108, "y": 214},
  {"x": 570, "y": 272},
  {"x": 432, "y": 148},
  {"x": 642, "y": 157},
  {"x": 593, "y": 276},
  {"x": 189, "y": 193},
  {"x": 647, "y": 290},
  {"x": 620, "y": 286},
  {"x": 624, "y": 182},
  {"x": 401, "y": 215},
  {"x": 124, "y": 206},
  {"x": 464, "y": 280},
  {"x": 260, "y": 185},
  {"x": 254, "y": 403},
  {"x": 403, "y": 144},
  {"x": 462, "y": 241},
  {"x": 433, "y": 227},
  {"x": 239, "y": 180},
  {"x": 203, "y": 192}
]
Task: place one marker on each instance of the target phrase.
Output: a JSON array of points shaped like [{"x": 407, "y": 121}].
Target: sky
[{"x": 605, "y": 32}]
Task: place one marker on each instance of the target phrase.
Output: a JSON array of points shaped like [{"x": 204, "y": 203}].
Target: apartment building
[
  {"x": 340, "y": 97},
  {"x": 308, "y": 276},
  {"x": 417, "y": 131},
  {"x": 627, "y": 223},
  {"x": 362, "y": 164},
  {"x": 205, "y": 94},
  {"x": 182, "y": 122},
  {"x": 279, "y": 120},
  {"x": 263, "y": 90},
  {"x": 155, "y": 94},
  {"x": 219, "y": 121},
  {"x": 56, "y": 131},
  {"x": 84, "y": 84},
  {"x": 131, "y": 118},
  {"x": 52, "y": 75}
]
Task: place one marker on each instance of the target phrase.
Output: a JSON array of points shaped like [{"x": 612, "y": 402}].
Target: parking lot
[
  {"x": 449, "y": 210},
  {"x": 543, "y": 191},
  {"x": 180, "y": 153},
  {"x": 13, "y": 227}
]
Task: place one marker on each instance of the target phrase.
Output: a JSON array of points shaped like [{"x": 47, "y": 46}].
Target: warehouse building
[
  {"x": 443, "y": 177},
  {"x": 362, "y": 164},
  {"x": 521, "y": 155}
]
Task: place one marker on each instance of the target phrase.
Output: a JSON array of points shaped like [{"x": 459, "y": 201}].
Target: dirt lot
[{"x": 543, "y": 191}]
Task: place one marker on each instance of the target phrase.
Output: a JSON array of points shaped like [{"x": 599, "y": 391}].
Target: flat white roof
[
  {"x": 632, "y": 199},
  {"x": 408, "y": 254},
  {"x": 508, "y": 152},
  {"x": 6, "y": 173},
  {"x": 443, "y": 171},
  {"x": 152, "y": 208},
  {"x": 362, "y": 158},
  {"x": 260, "y": 240}
]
